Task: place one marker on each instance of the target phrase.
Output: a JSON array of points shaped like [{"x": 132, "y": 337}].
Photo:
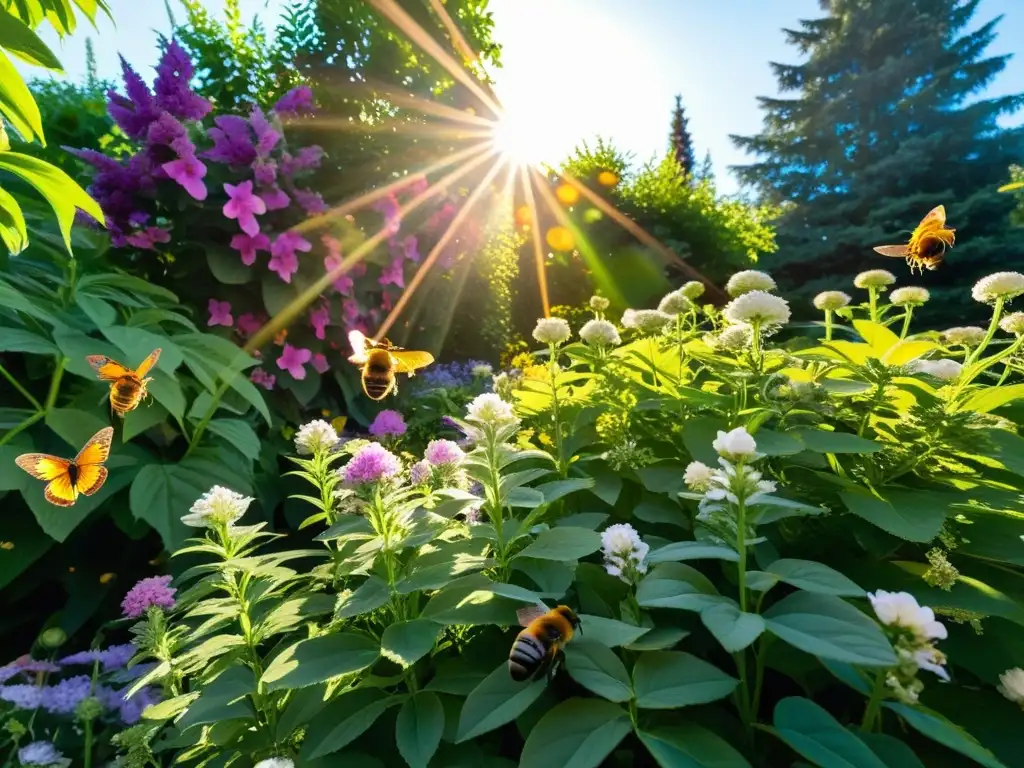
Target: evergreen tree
[
  {"x": 681, "y": 141},
  {"x": 882, "y": 121}
]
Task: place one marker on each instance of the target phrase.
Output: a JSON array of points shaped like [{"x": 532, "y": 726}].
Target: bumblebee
[
  {"x": 538, "y": 647},
  {"x": 928, "y": 242},
  {"x": 381, "y": 361},
  {"x": 127, "y": 387}
]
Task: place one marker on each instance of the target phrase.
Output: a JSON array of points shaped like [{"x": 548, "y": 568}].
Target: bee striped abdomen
[
  {"x": 527, "y": 655},
  {"x": 125, "y": 394}
]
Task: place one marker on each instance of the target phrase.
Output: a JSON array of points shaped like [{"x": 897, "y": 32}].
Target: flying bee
[
  {"x": 927, "y": 245},
  {"x": 67, "y": 478},
  {"x": 538, "y": 647},
  {"x": 381, "y": 360},
  {"x": 127, "y": 387}
]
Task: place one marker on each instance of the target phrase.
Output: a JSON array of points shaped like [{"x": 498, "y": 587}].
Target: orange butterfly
[
  {"x": 68, "y": 478},
  {"x": 127, "y": 387}
]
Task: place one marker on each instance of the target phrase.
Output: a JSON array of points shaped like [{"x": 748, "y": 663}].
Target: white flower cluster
[
  {"x": 505, "y": 383},
  {"x": 759, "y": 307},
  {"x": 831, "y": 300},
  {"x": 599, "y": 303},
  {"x": 482, "y": 371},
  {"x": 1013, "y": 323},
  {"x": 967, "y": 335},
  {"x": 218, "y": 507},
  {"x": 874, "y": 278},
  {"x": 624, "y": 552},
  {"x": 275, "y": 762},
  {"x": 600, "y": 333},
  {"x": 910, "y": 296},
  {"x": 490, "y": 410},
  {"x": 1001, "y": 285},
  {"x": 731, "y": 337},
  {"x": 1011, "y": 685},
  {"x": 675, "y": 303},
  {"x": 913, "y": 629},
  {"x": 944, "y": 370},
  {"x": 315, "y": 436},
  {"x": 735, "y": 445},
  {"x": 552, "y": 330},
  {"x": 646, "y": 320},
  {"x": 749, "y": 280}
]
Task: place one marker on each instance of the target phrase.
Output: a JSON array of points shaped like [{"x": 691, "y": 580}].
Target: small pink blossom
[
  {"x": 351, "y": 309},
  {"x": 154, "y": 591},
  {"x": 311, "y": 202},
  {"x": 344, "y": 284},
  {"x": 283, "y": 259},
  {"x": 263, "y": 379},
  {"x": 410, "y": 247},
  {"x": 247, "y": 246},
  {"x": 220, "y": 313},
  {"x": 248, "y": 324},
  {"x": 293, "y": 359},
  {"x": 389, "y": 208},
  {"x": 319, "y": 319},
  {"x": 264, "y": 171},
  {"x": 148, "y": 237},
  {"x": 320, "y": 364},
  {"x": 393, "y": 274},
  {"x": 188, "y": 171},
  {"x": 244, "y": 206},
  {"x": 388, "y": 423},
  {"x": 266, "y": 136},
  {"x": 274, "y": 198}
]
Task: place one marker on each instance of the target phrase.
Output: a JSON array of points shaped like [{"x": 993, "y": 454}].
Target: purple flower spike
[
  {"x": 62, "y": 698},
  {"x": 266, "y": 136},
  {"x": 312, "y": 203},
  {"x": 135, "y": 113},
  {"x": 173, "y": 92},
  {"x": 296, "y": 101},
  {"x": 232, "y": 141}
]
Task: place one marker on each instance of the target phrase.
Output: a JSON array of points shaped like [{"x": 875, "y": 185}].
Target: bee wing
[
  {"x": 936, "y": 215},
  {"x": 530, "y": 613},
  {"x": 894, "y": 251},
  {"x": 359, "y": 344},
  {"x": 148, "y": 363},
  {"x": 107, "y": 369},
  {"x": 407, "y": 361},
  {"x": 97, "y": 449}
]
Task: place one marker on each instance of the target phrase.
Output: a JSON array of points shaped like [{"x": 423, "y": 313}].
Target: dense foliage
[{"x": 880, "y": 122}]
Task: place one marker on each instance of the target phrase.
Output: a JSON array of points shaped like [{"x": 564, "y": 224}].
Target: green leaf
[
  {"x": 497, "y": 700},
  {"x": 687, "y": 745},
  {"x": 59, "y": 189},
  {"x": 563, "y": 544},
  {"x": 18, "y": 38},
  {"x": 598, "y": 669},
  {"x": 343, "y": 720},
  {"x": 772, "y": 443},
  {"x": 820, "y": 441},
  {"x": 471, "y": 600},
  {"x": 138, "y": 421},
  {"x": 907, "y": 514},
  {"x": 827, "y": 627},
  {"x": 223, "y": 699},
  {"x": 226, "y": 265},
  {"x": 734, "y": 629},
  {"x": 13, "y": 232},
  {"x": 878, "y": 337},
  {"x": 938, "y": 728},
  {"x": 17, "y": 104},
  {"x": 292, "y": 612},
  {"x": 238, "y": 434},
  {"x": 814, "y": 577},
  {"x": 990, "y": 398},
  {"x": 663, "y": 477},
  {"x": 556, "y": 489},
  {"x": 308, "y": 662},
  {"x": 406, "y": 642},
  {"x": 74, "y": 427},
  {"x": 691, "y": 550},
  {"x": 369, "y": 596},
  {"x": 670, "y": 679},
  {"x": 675, "y": 585},
  {"x": 609, "y": 632},
  {"x": 890, "y": 750},
  {"x": 658, "y": 639},
  {"x": 578, "y": 733},
  {"x": 815, "y": 734},
  {"x": 162, "y": 493},
  {"x": 20, "y": 340},
  {"x": 419, "y": 728}
]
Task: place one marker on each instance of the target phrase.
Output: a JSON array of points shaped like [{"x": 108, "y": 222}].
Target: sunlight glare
[{"x": 519, "y": 138}]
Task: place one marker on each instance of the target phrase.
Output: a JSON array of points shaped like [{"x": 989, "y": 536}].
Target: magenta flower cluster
[
  {"x": 154, "y": 591},
  {"x": 371, "y": 464},
  {"x": 441, "y": 452},
  {"x": 388, "y": 424}
]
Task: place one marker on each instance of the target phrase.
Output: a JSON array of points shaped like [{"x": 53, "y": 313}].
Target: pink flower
[
  {"x": 265, "y": 172},
  {"x": 244, "y": 206},
  {"x": 220, "y": 313},
  {"x": 154, "y": 591},
  {"x": 274, "y": 198},
  {"x": 320, "y": 363},
  {"x": 266, "y": 136},
  {"x": 283, "y": 258},
  {"x": 371, "y": 464},
  {"x": 351, "y": 309},
  {"x": 262, "y": 378},
  {"x": 344, "y": 283},
  {"x": 247, "y": 246},
  {"x": 410, "y": 246},
  {"x": 292, "y": 359},
  {"x": 146, "y": 238},
  {"x": 319, "y": 320},
  {"x": 311, "y": 202},
  {"x": 443, "y": 452},
  {"x": 248, "y": 324},
  {"x": 388, "y": 423},
  {"x": 392, "y": 274},
  {"x": 388, "y": 207},
  {"x": 188, "y": 172}
]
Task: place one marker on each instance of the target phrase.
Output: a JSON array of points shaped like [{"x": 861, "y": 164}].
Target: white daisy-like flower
[
  {"x": 1013, "y": 323},
  {"x": 874, "y": 278},
  {"x": 693, "y": 289},
  {"x": 218, "y": 506},
  {"x": 735, "y": 445},
  {"x": 600, "y": 333},
  {"x": 489, "y": 408},
  {"x": 910, "y": 295},
  {"x": 732, "y": 337},
  {"x": 275, "y": 762},
  {"x": 1011, "y": 685},
  {"x": 901, "y": 610},
  {"x": 946, "y": 370},
  {"x": 599, "y": 303},
  {"x": 314, "y": 436},
  {"x": 749, "y": 280},
  {"x": 482, "y": 371},
  {"x": 551, "y": 330},
  {"x": 675, "y": 303},
  {"x": 968, "y": 335},
  {"x": 645, "y": 320},
  {"x": 697, "y": 476},
  {"x": 624, "y": 551},
  {"x": 831, "y": 300},
  {"x": 758, "y": 307},
  {"x": 1001, "y": 285}
]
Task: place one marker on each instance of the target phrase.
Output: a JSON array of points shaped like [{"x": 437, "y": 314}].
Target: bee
[
  {"x": 538, "y": 647},
  {"x": 928, "y": 242},
  {"x": 127, "y": 387},
  {"x": 381, "y": 361},
  {"x": 69, "y": 477}
]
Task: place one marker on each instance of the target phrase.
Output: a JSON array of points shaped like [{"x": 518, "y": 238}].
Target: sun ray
[
  {"x": 454, "y": 33},
  {"x": 402, "y": 127},
  {"x": 538, "y": 247}
]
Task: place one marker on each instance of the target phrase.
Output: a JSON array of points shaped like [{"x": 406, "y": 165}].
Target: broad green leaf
[
  {"x": 303, "y": 705},
  {"x": 20, "y": 340},
  {"x": 13, "y": 232},
  {"x": 223, "y": 699},
  {"x": 578, "y": 733},
  {"x": 343, "y": 720},
  {"x": 17, "y": 104},
  {"x": 419, "y": 728},
  {"x": 937, "y": 728},
  {"x": 827, "y": 627},
  {"x": 308, "y": 662},
  {"x": 556, "y": 489},
  {"x": 890, "y": 750},
  {"x": 878, "y": 337},
  {"x": 822, "y": 441},
  {"x": 597, "y": 668},
  {"x": 698, "y": 434},
  {"x": 675, "y": 585},
  {"x": 563, "y": 544},
  {"x": 990, "y": 398},
  {"x": 734, "y": 629},
  {"x": 369, "y": 596},
  {"x": 162, "y": 493},
  {"x": 227, "y": 266},
  {"x": 814, "y": 577},
  {"x": 772, "y": 443},
  {"x": 691, "y": 550},
  {"x": 138, "y": 343},
  {"x": 817, "y": 736},
  {"x": 471, "y": 600},
  {"x": 292, "y": 612},
  {"x": 495, "y": 701},
  {"x": 346, "y": 525},
  {"x": 138, "y": 421},
  {"x": 688, "y": 745},
  {"x": 663, "y": 477},
  {"x": 74, "y": 427},
  {"x": 18, "y": 38},
  {"x": 405, "y": 642},
  {"x": 906, "y": 514},
  {"x": 238, "y": 434},
  {"x": 658, "y": 639},
  {"x": 670, "y": 679},
  {"x": 906, "y": 351},
  {"x": 609, "y": 632}
]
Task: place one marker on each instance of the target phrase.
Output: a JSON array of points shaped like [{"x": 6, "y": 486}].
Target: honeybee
[
  {"x": 928, "y": 242},
  {"x": 538, "y": 647},
  {"x": 70, "y": 477},
  {"x": 127, "y": 387},
  {"x": 381, "y": 361}
]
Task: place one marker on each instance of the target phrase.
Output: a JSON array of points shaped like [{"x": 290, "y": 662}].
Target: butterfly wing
[
  {"x": 43, "y": 466},
  {"x": 96, "y": 450},
  {"x": 148, "y": 363},
  {"x": 60, "y": 491},
  {"x": 936, "y": 215},
  {"x": 359, "y": 344},
  {"x": 893, "y": 251},
  {"x": 91, "y": 478},
  {"x": 407, "y": 361},
  {"x": 107, "y": 369},
  {"x": 530, "y": 613}
]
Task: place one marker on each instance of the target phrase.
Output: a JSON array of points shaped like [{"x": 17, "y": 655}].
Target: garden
[{"x": 335, "y": 431}]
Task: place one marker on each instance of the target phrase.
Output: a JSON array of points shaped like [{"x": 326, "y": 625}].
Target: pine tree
[
  {"x": 681, "y": 141},
  {"x": 881, "y": 122},
  {"x": 91, "y": 76}
]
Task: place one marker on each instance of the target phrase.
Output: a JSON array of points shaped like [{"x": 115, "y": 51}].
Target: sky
[{"x": 573, "y": 69}]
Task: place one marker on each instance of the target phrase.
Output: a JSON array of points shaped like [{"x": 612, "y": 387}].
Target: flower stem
[
  {"x": 208, "y": 416},
  {"x": 906, "y": 321},
  {"x": 873, "y": 303},
  {"x": 17, "y": 385},
  {"x": 555, "y": 414},
  {"x": 874, "y": 703},
  {"x": 755, "y": 340},
  {"x": 828, "y": 325},
  {"x": 58, "y": 374},
  {"x": 997, "y": 312},
  {"x": 10, "y": 434}
]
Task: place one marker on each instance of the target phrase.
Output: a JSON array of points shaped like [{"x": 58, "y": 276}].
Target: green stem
[
  {"x": 741, "y": 585},
  {"x": 679, "y": 341},
  {"x": 58, "y": 374},
  {"x": 873, "y": 303},
  {"x": 906, "y": 321},
  {"x": 828, "y": 325},
  {"x": 755, "y": 339},
  {"x": 654, "y": 360},
  {"x": 87, "y": 756},
  {"x": 9, "y": 435},
  {"x": 555, "y": 413},
  {"x": 874, "y": 703},
  {"x": 17, "y": 385},
  {"x": 993, "y": 325},
  {"x": 208, "y": 416}
]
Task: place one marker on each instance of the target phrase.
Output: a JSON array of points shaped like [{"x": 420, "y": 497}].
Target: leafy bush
[{"x": 724, "y": 460}]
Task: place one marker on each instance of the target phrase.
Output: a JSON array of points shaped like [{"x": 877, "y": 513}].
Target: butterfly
[
  {"x": 127, "y": 387},
  {"x": 69, "y": 477},
  {"x": 928, "y": 242}
]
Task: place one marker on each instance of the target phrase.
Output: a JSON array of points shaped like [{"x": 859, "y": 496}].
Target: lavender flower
[
  {"x": 371, "y": 464},
  {"x": 232, "y": 141},
  {"x": 154, "y": 591},
  {"x": 266, "y": 136},
  {"x": 62, "y": 698},
  {"x": 388, "y": 423},
  {"x": 296, "y": 101},
  {"x": 419, "y": 473},
  {"x": 134, "y": 113},
  {"x": 42, "y": 753},
  {"x": 173, "y": 92},
  {"x": 22, "y": 696},
  {"x": 443, "y": 452},
  {"x": 117, "y": 656}
]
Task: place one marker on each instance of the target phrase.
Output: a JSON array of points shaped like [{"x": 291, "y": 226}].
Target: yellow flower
[
  {"x": 545, "y": 440},
  {"x": 536, "y": 372}
]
